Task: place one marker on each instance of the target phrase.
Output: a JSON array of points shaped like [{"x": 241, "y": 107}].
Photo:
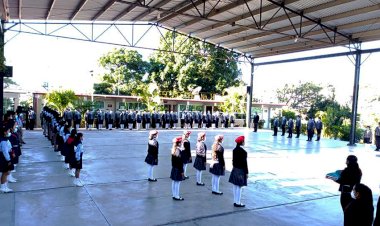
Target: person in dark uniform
[
  {"x": 152, "y": 156},
  {"x": 367, "y": 136},
  {"x": 101, "y": 117},
  {"x": 232, "y": 120},
  {"x": 318, "y": 127},
  {"x": 176, "y": 173},
  {"x": 226, "y": 120},
  {"x": 68, "y": 115},
  {"x": 239, "y": 173},
  {"x": 204, "y": 121},
  {"x": 187, "y": 120},
  {"x": 147, "y": 120},
  {"x": 111, "y": 119},
  {"x": 136, "y": 117},
  {"x": 275, "y": 126},
  {"x": 209, "y": 119},
  {"x": 377, "y": 137},
  {"x": 349, "y": 177},
  {"x": 117, "y": 119},
  {"x": 217, "y": 167},
  {"x": 283, "y": 125},
  {"x": 106, "y": 118},
  {"x": 256, "y": 119},
  {"x": 123, "y": 119},
  {"x": 199, "y": 119},
  {"x": 77, "y": 159},
  {"x": 32, "y": 119},
  {"x": 15, "y": 142},
  {"x": 298, "y": 126},
  {"x": 175, "y": 120},
  {"x": 359, "y": 212},
  {"x": 290, "y": 128},
  {"x": 200, "y": 159},
  {"x": 217, "y": 115},
  {"x": 158, "y": 119},
  {"x": 186, "y": 152},
  {"x": 310, "y": 129},
  {"x": 77, "y": 119}
]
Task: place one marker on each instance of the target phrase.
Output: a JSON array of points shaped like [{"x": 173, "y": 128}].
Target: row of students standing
[
  {"x": 181, "y": 157},
  {"x": 9, "y": 155},
  {"x": 66, "y": 141},
  {"x": 288, "y": 125}
]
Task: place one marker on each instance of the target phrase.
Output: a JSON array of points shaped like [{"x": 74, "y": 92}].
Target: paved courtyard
[{"x": 286, "y": 183}]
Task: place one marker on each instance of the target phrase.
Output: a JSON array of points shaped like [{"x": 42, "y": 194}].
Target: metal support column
[
  {"x": 2, "y": 68},
  {"x": 355, "y": 97},
  {"x": 249, "y": 96}
]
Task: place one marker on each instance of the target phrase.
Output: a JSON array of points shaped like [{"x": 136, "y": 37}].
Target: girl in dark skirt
[
  {"x": 152, "y": 156},
  {"x": 217, "y": 166},
  {"x": 239, "y": 174},
  {"x": 15, "y": 142},
  {"x": 186, "y": 152},
  {"x": 5, "y": 160},
  {"x": 77, "y": 160},
  {"x": 177, "y": 168},
  {"x": 70, "y": 154},
  {"x": 200, "y": 159}
]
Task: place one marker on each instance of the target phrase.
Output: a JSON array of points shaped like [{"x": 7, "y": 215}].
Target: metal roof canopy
[
  {"x": 252, "y": 28},
  {"x": 256, "y": 28}
]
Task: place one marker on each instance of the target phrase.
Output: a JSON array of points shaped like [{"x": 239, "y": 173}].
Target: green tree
[
  {"x": 300, "y": 97},
  {"x": 149, "y": 95},
  {"x": 179, "y": 74},
  {"x": 8, "y": 82},
  {"x": 234, "y": 100},
  {"x": 125, "y": 71},
  {"x": 61, "y": 99}
]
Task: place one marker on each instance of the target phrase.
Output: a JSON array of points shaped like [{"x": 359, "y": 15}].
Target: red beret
[
  {"x": 186, "y": 133},
  {"x": 177, "y": 139},
  {"x": 239, "y": 140}
]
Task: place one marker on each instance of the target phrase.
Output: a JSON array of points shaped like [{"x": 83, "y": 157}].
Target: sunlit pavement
[{"x": 287, "y": 184}]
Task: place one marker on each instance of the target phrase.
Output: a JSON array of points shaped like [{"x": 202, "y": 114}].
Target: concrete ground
[{"x": 287, "y": 185}]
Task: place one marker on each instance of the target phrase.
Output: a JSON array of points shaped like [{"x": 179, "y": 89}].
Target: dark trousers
[
  {"x": 319, "y": 131},
  {"x": 290, "y": 133},
  {"x": 377, "y": 139},
  {"x": 275, "y": 131},
  {"x": 31, "y": 124},
  {"x": 310, "y": 134},
  {"x": 283, "y": 130},
  {"x": 255, "y": 125},
  {"x": 298, "y": 131}
]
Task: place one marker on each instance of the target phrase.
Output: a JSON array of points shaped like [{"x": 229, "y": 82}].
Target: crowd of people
[
  {"x": 11, "y": 141},
  {"x": 288, "y": 125},
  {"x": 356, "y": 198},
  {"x": 131, "y": 119},
  {"x": 66, "y": 140},
  {"x": 181, "y": 158}
]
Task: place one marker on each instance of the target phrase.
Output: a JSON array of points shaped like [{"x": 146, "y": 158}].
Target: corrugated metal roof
[{"x": 226, "y": 22}]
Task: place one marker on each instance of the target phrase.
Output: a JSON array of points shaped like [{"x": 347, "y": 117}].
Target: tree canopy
[
  {"x": 177, "y": 75},
  {"x": 60, "y": 100},
  {"x": 125, "y": 71}
]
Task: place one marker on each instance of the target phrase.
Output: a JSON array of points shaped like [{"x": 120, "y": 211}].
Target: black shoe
[
  {"x": 23, "y": 142},
  {"x": 178, "y": 199},
  {"x": 152, "y": 180},
  {"x": 186, "y": 177},
  {"x": 217, "y": 192},
  {"x": 200, "y": 184},
  {"x": 239, "y": 205}
]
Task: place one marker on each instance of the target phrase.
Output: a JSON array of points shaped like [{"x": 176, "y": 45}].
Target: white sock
[
  {"x": 235, "y": 193},
  {"x": 150, "y": 171},
  {"x": 213, "y": 182},
  {"x": 217, "y": 183},
  {"x": 177, "y": 188},
  {"x": 173, "y": 189},
  {"x": 184, "y": 169},
  {"x": 238, "y": 194},
  {"x": 199, "y": 176}
]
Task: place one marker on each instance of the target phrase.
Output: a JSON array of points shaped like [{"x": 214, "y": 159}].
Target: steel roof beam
[
  {"x": 312, "y": 20},
  {"x": 78, "y": 9},
  {"x": 126, "y": 11},
  {"x": 148, "y": 11},
  {"x": 51, "y": 5},
  {"x": 241, "y": 17},
  {"x": 280, "y": 18},
  {"x": 181, "y": 8},
  {"x": 307, "y": 23},
  {"x": 279, "y": 40},
  {"x": 108, "y": 5}
]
